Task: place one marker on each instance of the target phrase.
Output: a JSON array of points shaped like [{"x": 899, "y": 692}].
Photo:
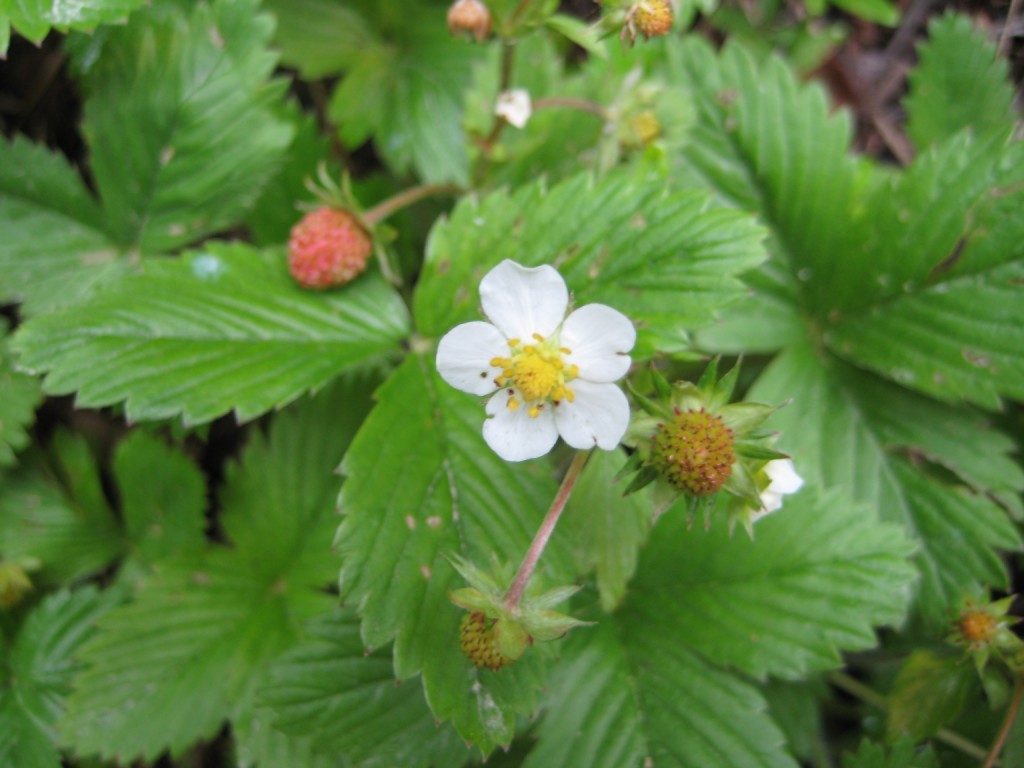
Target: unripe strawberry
[
  {"x": 328, "y": 248},
  {"x": 977, "y": 626},
  {"x": 479, "y": 641},
  {"x": 653, "y": 17},
  {"x": 470, "y": 17},
  {"x": 694, "y": 452}
]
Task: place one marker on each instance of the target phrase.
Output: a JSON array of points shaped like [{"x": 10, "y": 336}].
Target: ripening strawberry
[
  {"x": 652, "y": 17},
  {"x": 328, "y": 248},
  {"x": 479, "y": 641},
  {"x": 694, "y": 452}
]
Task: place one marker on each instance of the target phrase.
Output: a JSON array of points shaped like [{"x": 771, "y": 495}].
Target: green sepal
[
  {"x": 550, "y": 625},
  {"x": 469, "y": 599},
  {"x": 741, "y": 418},
  {"x": 512, "y": 639},
  {"x": 750, "y": 450},
  {"x": 553, "y": 597}
]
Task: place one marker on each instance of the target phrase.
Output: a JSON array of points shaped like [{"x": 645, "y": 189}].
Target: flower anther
[{"x": 548, "y": 375}]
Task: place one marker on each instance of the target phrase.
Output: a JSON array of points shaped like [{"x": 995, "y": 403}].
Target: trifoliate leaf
[
  {"x": 404, "y": 90},
  {"x": 347, "y": 702},
  {"x": 38, "y": 666},
  {"x": 213, "y": 623},
  {"x": 959, "y": 81},
  {"x": 19, "y": 396},
  {"x": 815, "y": 578},
  {"x": 668, "y": 261},
  {"x": 179, "y": 120},
  {"x": 54, "y": 250},
  {"x": 447, "y": 493},
  {"x": 57, "y": 514},
  {"x": 606, "y": 530},
  {"x": 162, "y": 499},
  {"x": 219, "y": 330},
  {"x": 33, "y": 19},
  {"x": 849, "y": 429},
  {"x": 903, "y": 754},
  {"x": 928, "y": 693}
]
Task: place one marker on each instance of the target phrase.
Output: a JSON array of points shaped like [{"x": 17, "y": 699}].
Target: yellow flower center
[{"x": 537, "y": 373}]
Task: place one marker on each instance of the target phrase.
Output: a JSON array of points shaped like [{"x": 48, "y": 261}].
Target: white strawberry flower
[
  {"x": 784, "y": 481},
  {"x": 548, "y": 375},
  {"x": 515, "y": 106}
]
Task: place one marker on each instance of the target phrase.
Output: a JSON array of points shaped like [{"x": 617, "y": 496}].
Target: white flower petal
[
  {"x": 598, "y": 416},
  {"x": 513, "y": 435},
  {"x": 599, "y": 338},
  {"x": 464, "y": 357},
  {"x": 514, "y": 106},
  {"x": 783, "y": 476},
  {"x": 522, "y": 301}
]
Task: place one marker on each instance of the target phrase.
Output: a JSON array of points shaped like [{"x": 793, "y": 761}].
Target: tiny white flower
[
  {"x": 784, "y": 480},
  {"x": 548, "y": 374},
  {"x": 515, "y": 107}
]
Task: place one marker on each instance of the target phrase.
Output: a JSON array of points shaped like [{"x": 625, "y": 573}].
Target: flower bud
[{"x": 470, "y": 17}]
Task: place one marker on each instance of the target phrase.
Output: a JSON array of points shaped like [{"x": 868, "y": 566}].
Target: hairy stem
[
  {"x": 857, "y": 689},
  {"x": 547, "y": 527},
  {"x": 406, "y": 198},
  {"x": 1004, "y": 730}
]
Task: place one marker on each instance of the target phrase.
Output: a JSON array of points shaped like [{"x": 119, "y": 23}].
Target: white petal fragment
[
  {"x": 522, "y": 301},
  {"x": 599, "y": 339},
  {"x": 515, "y": 107},
  {"x": 599, "y": 416},
  {"x": 783, "y": 476},
  {"x": 513, "y": 434},
  {"x": 464, "y": 357}
]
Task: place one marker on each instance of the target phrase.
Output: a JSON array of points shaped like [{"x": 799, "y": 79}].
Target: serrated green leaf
[
  {"x": 796, "y": 707},
  {"x": 219, "y": 330},
  {"x": 814, "y": 580},
  {"x": 179, "y": 121},
  {"x": 213, "y": 623},
  {"x": 651, "y": 680},
  {"x": 605, "y": 528},
  {"x": 668, "y": 261},
  {"x": 19, "y": 396},
  {"x": 928, "y": 693},
  {"x": 959, "y": 81},
  {"x": 54, "y": 249},
  {"x": 163, "y": 497},
  {"x": 447, "y": 493},
  {"x": 319, "y": 37},
  {"x": 848, "y": 429},
  {"x": 35, "y": 18},
  {"x": 619, "y": 700},
  {"x": 58, "y": 515},
  {"x": 903, "y": 754},
  {"x": 405, "y": 91},
  {"x": 39, "y": 665},
  {"x": 347, "y": 702},
  {"x": 939, "y": 311}
]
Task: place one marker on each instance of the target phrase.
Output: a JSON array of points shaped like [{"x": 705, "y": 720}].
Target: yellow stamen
[{"x": 535, "y": 374}]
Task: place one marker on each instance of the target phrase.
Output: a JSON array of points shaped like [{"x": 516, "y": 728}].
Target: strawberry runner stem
[{"x": 547, "y": 527}]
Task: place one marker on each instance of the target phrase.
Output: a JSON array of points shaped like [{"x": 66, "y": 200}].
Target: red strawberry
[{"x": 328, "y": 248}]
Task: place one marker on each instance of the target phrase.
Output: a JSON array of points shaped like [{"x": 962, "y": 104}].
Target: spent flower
[{"x": 548, "y": 374}]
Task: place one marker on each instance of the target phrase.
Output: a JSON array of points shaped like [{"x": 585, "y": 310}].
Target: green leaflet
[
  {"x": 404, "y": 90},
  {"x": 606, "y": 530},
  {"x": 959, "y": 82},
  {"x": 849, "y": 429},
  {"x": 818, "y": 574},
  {"x": 179, "y": 110},
  {"x": 213, "y": 622},
  {"x": 446, "y": 493},
  {"x": 38, "y": 666},
  {"x": 668, "y": 261},
  {"x": 218, "y": 330},
  {"x": 54, "y": 249},
  {"x": 347, "y": 702},
  {"x": 19, "y": 396},
  {"x": 35, "y": 18}
]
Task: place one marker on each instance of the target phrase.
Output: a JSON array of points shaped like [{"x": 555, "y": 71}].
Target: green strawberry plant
[{"x": 651, "y": 424}]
